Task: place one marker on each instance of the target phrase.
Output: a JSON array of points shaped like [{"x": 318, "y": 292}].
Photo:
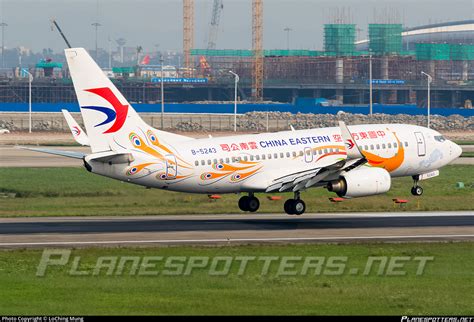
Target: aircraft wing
[
  {"x": 304, "y": 179},
  {"x": 77, "y": 132}
]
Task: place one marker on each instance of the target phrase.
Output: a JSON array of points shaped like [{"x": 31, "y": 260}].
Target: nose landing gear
[{"x": 416, "y": 190}]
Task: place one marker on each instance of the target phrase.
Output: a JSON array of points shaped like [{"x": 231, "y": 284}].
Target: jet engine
[{"x": 361, "y": 182}]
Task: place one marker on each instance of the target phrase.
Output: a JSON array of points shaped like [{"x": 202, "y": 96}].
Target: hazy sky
[{"x": 159, "y": 22}]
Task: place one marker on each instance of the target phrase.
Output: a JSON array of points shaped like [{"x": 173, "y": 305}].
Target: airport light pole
[
  {"x": 371, "y": 102},
  {"x": 3, "y": 25},
  {"x": 96, "y": 25},
  {"x": 235, "y": 98},
  {"x": 30, "y": 79},
  {"x": 162, "y": 93},
  {"x": 430, "y": 79}
]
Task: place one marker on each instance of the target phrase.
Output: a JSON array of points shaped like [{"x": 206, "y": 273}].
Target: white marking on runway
[{"x": 228, "y": 240}]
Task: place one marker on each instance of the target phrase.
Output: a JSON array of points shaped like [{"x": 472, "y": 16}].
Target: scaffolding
[
  {"x": 432, "y": 51},
  {"x": 385, "y": 39},
  {"x": 188, "y": 36},
  {"x": 257, "y": 46},
  {"x": 339, "y": 39}
]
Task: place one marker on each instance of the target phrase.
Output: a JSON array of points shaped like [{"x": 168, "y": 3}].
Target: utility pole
[{"x": 288, "y": 29}]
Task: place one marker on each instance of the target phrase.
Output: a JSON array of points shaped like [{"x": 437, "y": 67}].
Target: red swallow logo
[{"x": 119, "y": 113}]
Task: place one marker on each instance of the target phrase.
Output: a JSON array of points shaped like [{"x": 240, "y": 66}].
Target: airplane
[{"x": 351, "y": 161}]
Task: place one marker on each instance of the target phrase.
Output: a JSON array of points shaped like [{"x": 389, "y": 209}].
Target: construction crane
[
  {"x": 257, "y": 46},
  {"x": 188, "y": 36},
  {"x": 54, "y": 23},
  {"x": 217, "y": 7}
]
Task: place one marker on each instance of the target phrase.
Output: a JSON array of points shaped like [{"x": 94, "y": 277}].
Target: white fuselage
[{"x": 249, "y": 163}]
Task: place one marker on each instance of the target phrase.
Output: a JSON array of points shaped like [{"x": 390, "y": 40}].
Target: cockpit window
[{"x": 440, "y": 138}]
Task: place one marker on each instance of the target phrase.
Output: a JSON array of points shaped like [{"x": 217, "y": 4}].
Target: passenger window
[
  {"x": 366, "y": 147},
  {"x": 287, "y": 154},
  {"x": 257, "y": 157},
  {"x": 209, "y": 161},
  {"x": 196, "y": 163},
  {"x": 227, "y": 160},
  {"x": 246, "y": 158},
  {"x": 263, "y": 156},
  {"x": 383, "y": 145},
  {"x": 406, "y": 143},
  {"x": 371, "y": 146},
  {"x": 378, "y": 146},
  {"x": 215, "y": 161},
  {"x": 221, "y": 160},
  {"x": 325, "y": 151},
  {"x": 294, "y": 154},
  {"x": 390, "y": 145},
  {"x": 337, "y": 150},
  {"x": 275, "y": 155},
  {"x": 251, "y": 158},
  {"x": 301, "y": 153},
  {"x": 395, "y": 145},
  {"x": 269, "y": 156},
  {"x": 315, "y": 152},
  {"x": 203, "y": 162},
  {"x": 282, "y": 155}
]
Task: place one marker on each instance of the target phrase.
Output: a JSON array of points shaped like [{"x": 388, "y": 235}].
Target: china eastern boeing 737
[{"x": 354, "y": 161}]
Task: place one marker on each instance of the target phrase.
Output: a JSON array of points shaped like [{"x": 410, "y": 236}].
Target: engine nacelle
[{"x": 361, "y": 182}]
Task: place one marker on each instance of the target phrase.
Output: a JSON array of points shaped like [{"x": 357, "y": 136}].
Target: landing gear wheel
[
  {"x": 288, "y": 206},
  {"x": 298, "y": 207},
  {"x": 294, "y": 207},
  {"x": 417, "y": 191},
  {"x": 244, "y": 203},
  {"x": 253, "y": 204}
]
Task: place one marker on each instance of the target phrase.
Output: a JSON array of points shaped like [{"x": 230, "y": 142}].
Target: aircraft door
[
  {"x": 171, "y": 166},
  {"x": 421, "y": 145}
]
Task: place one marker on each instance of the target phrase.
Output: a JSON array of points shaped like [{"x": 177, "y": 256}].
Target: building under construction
[{"x": 340, "y": 72}]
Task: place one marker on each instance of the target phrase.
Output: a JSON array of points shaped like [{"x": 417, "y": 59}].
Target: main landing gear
[
  {"x": 249, "y": 203},
  {"x": 416, "y": 190},
  {"x": 295, "y": 206}
]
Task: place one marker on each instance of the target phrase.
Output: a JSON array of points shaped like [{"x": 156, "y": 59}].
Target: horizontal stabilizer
[{"x": 68, "y": 154}]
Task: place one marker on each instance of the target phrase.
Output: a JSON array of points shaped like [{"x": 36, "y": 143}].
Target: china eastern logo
[
  {"x": 350, "y": 144},
  {"x": 117, "y": 115}
]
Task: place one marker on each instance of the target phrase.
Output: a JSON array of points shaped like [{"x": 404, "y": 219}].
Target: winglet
[
  {"x": 352, "y": 149},
  {"x": 78, "y": 134}
]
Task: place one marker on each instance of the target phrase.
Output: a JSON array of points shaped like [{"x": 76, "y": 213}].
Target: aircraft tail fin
[
  {"x": 110, "y": 120},
  {"x": 77, "y": 132}
]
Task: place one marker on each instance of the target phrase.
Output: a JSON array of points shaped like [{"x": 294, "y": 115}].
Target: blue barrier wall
[{"x": 244, "y": 108}]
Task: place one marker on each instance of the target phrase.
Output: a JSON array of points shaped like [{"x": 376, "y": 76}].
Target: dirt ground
[{"x": 62, "y": 138}]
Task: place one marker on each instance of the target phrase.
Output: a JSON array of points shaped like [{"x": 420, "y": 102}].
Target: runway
[{"x": 234, "y": 229}]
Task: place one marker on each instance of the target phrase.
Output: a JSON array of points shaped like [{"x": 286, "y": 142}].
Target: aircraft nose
[{"x": 456, "y": 150}]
